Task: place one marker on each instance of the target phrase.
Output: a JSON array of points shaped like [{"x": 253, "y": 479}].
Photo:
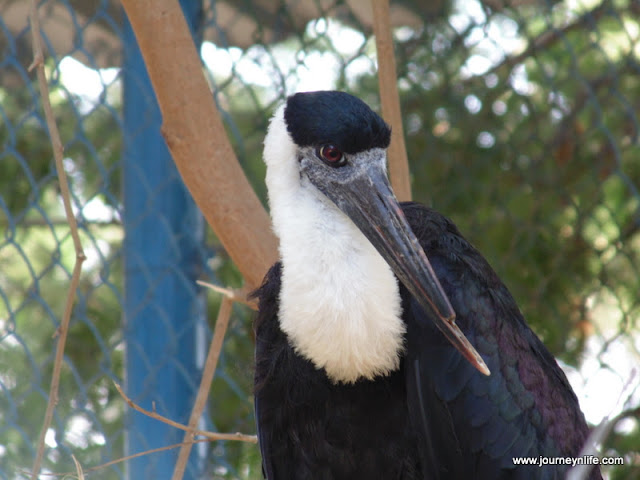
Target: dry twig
[
  {"x": 122, "y": 459},
  {"x": 56, "y": 143},
  {"x": 240, "y": 437},
  {"x": 79, "y": 470},
  {"x": 238, "y": 296},
  {"x": 222, "y": 322}
]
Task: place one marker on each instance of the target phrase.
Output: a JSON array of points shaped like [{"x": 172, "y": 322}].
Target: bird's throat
[{"x": 339, "y": 303}]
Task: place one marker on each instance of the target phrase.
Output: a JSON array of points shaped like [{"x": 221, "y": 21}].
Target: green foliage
[{"x": 36, "y": 259}]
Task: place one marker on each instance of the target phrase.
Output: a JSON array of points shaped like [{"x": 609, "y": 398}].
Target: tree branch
[
  {"x": 594, "y": 443},
  {"x": 390, "y": 100},
  {"x": 56, "y": 143},
  {"x": 240, "y": 437},
  {"x": 239, "y": 296},
  {"x": 120, "y": 460},
  {"x": 205, "y": 385},
  {"x": 197, "y": 139},
  {"x": 548, "y": 38}
]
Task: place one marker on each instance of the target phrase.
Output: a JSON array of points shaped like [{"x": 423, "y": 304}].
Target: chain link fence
[{"x": 522, "y": 125}]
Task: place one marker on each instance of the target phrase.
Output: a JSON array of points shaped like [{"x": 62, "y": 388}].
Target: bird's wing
[
  {"x": 472, "y": 425},
  {"x": 263, "y": 443},
  {"x": 525, "y": 408},
  {"x": 265, "y": 325}
]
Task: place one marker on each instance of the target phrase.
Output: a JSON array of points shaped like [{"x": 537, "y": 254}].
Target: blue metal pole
[{"x": 164, "y": 312}]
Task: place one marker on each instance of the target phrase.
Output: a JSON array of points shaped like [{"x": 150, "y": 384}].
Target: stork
[{"x": 365, "y": 367}]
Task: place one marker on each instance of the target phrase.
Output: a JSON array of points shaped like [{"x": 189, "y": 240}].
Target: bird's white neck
[{"x": 339, "y": 301}]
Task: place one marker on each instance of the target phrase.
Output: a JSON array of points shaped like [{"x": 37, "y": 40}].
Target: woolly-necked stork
[{"x": 361, "y": 371}]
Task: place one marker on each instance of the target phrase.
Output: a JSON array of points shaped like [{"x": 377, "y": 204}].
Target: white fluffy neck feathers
[{"x": 339, "y": 301}]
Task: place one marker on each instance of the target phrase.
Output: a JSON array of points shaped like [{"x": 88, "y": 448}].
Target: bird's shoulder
[{"x": 272, "y": 348}]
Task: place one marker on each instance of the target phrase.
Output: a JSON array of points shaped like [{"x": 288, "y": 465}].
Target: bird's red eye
[{"x": 331, "y": 155}]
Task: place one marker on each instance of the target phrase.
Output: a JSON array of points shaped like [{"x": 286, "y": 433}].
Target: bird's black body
[
  {"x": 435, "y": 417},
  {"x": 396, "y": 391}
]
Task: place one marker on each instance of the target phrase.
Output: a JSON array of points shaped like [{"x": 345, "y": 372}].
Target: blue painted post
[{"x": 162, "y": 259}]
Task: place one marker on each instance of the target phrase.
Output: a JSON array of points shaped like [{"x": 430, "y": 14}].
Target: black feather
[
  {"x": 337, "y": 118},
  {"x": 435, "y": 417}
]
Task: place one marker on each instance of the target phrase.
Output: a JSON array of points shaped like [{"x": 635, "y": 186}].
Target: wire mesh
[{"x": 521, "y": 119}]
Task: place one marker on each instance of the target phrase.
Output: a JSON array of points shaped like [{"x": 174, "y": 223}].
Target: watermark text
[{"x": 569, "y": 461}]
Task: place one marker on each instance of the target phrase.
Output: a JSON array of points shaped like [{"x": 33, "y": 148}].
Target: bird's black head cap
[{"x": 337, "y": 118}]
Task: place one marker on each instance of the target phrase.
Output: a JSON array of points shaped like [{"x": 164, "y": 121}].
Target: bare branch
[
  {"x": 240, "y": 437},
  {"x": 123, "y": 459},
  {"x": 56, "y": 143},
  {"x": 549, "y": 38},
  {"x": 79, "y": 470},
  {"x": 390, "y": 100},
  {"x": 239, "y": 296},
  {"x": 224, "y": 314},
  {"x": 598, "y": 436},
  {"x": 197, "y": 139}
]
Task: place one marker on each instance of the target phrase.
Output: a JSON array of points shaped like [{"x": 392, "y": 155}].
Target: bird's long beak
[{"x": 368, "y": 200}]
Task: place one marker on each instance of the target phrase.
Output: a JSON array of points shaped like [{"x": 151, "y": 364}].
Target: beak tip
[
  {"x": 476, "y": 360},
  {"x": 457, "y": 338},
  {"x": 479, "y": 363}
]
